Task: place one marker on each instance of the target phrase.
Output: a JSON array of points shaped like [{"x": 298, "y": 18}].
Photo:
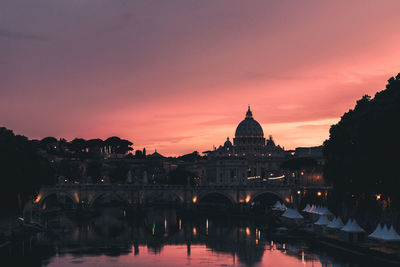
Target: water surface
[{"x": 163, "y": 237}]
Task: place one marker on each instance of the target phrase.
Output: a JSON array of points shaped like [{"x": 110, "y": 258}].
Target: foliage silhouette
[{"x": 361, "y": 152}]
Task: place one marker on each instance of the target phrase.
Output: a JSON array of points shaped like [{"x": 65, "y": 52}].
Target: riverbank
[{"x": 375, "y": 251}]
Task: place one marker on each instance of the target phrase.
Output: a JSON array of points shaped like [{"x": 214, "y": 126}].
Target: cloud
[{"x": 21, "y": 36}]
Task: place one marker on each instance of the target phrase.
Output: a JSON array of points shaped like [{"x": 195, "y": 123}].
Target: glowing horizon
[{"x": 178, "y": 76}]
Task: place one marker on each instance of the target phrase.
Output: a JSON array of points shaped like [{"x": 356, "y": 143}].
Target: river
[{"x": 164, "y": 237}]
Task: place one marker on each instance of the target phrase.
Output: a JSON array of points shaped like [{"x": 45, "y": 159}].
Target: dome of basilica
[
  {"x": 249, "y": 127},
  {"x": 228, "y": 143}
]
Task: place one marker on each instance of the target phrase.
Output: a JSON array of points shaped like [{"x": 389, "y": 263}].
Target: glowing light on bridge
[
  {"x": 76, "y": 196},
  {"x": 194, "y": 231},
  {"x": 38, "y": 198},
  {"x": 319, "y": 193},
  {"x": 253, "y": 177},
  {"x": 247, "y": 231},
  {"x": 378, "y": 196},
  {"x": 194, "y": 199},
  {"x": 247, "y": 198},
  {"x": 277, "y": 177}
]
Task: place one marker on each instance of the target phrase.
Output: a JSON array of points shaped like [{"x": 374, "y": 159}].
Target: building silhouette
[{"x": 250, "y": 157}]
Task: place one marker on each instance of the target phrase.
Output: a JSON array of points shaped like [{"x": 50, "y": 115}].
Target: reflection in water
[{"x": 160, "y": 238}]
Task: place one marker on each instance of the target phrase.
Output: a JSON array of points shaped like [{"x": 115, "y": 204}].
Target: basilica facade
[{"x": 250, "y": 158}]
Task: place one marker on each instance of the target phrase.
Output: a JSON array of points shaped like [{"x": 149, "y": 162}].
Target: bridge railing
[{"x": 161, "y": 186}]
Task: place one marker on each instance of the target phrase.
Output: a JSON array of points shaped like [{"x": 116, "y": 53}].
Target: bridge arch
[
  {"x": 175, "y": 197},
  {"x": 110, "y": 195},
  {"x": 277, "y": 195},
  {"x": 162, "y": 197},
  {"x": 217, "y": 196},
  {"x": 45, "y": 196},
  {"x": 261, "y": 202}
]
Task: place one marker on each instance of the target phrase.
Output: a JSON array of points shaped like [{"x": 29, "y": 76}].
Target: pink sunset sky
[{"x": 178, "y": 75}]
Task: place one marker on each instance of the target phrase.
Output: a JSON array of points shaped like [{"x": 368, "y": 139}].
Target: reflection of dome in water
[
  {"x": 249, "y": 127},
  {"x": 249, "y": 254}
]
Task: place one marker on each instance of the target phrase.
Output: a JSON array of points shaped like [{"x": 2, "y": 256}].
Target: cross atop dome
[{"x": 249, "y": 114}]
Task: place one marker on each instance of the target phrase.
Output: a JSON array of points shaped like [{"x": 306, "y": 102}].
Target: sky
[{"x": 177, "y": 76}]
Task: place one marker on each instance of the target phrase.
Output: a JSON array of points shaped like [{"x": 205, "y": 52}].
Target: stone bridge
[{"x": 86, "y": 195}]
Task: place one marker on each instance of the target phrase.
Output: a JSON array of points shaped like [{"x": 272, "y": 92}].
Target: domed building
[
  {"x": 249, "y": 136},
  {"x": 250, "y": 156}
]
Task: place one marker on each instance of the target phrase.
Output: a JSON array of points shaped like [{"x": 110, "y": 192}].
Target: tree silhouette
[
  {"x": 361, "y": 152},
  {"x": 22, "y": 169}
]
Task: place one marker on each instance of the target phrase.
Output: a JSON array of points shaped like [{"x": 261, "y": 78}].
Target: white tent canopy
[
  {"x": 320, "y": 210},
  {"x": 292, "y": 214},
  {"x": 312, "y": 209},
  {"x": 323, "y": 220},
  {"x": 378, "y": 232},
  {"x": 279, "y": 206},
  {"x": 336, "y": 223},
  {"x": 325, "y": 211},
  {"x": 385, "y": 233},
  {"x": 393, "y": 235},
  {"x": 352, "y": 227},
  {"x": 307, "y": 208}
]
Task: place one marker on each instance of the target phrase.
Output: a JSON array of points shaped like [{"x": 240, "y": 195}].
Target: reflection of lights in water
[
  {"x": 76, "y": 233},
  {"x": 258, "y": 234},
  {"x": 256, "y": 241},
  {"x": 284, "y": 246},
  {"x": 206, "y": 226},
  {"x": 247, "y": 231},
  {"x": 165, "y": 225},
  {"x": 302, "y": 257},
  {"x": 194, "y": 231},
  {"x": 180, "y": 224},
  {"x": 153, "y": 230}
]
